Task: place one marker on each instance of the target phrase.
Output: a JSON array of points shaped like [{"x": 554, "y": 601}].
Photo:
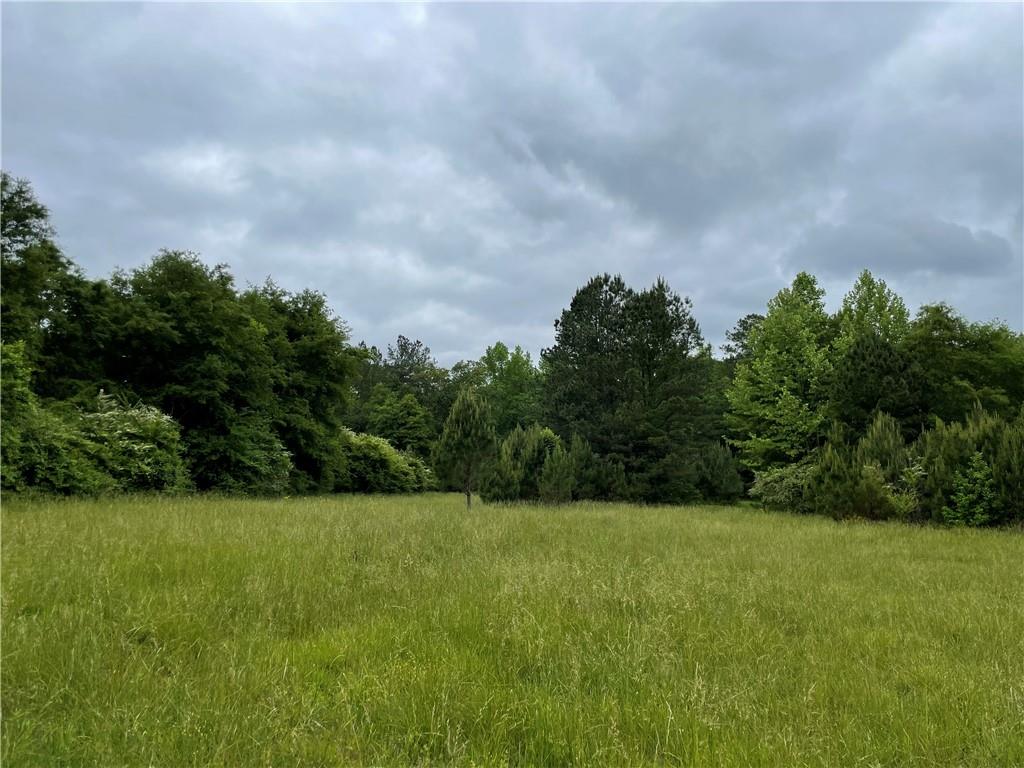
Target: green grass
[{"x": 398, "y": 631}]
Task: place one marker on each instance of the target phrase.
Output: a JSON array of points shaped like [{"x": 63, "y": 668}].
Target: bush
[
  {"x": 875, "y": 479},
  {"x": 974, "y": 500},
  {"x": 784, "y": 488},
  {"x": 250, "y": 460},
  {"x": 424, "y": 478},
  {"x": 718, "y": 476},
  {"x": 947, "y": 455},
  {"x": 138, "y": 446},
  {"x": 42, "y": 449},
  {"x": 373, "y": 465}
]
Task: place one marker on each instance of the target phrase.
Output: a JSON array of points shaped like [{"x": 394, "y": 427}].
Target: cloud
[
  {"x": 901, "y": 247},
  {"x": 455, "y": 172}
]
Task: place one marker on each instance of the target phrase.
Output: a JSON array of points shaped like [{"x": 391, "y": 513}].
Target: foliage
[
  {"x": 260, "y": 392},
  {"x": 373, "y": 465},
  {"x": 964, "y": 363},
  {"x": 630, "y": 373},
  {"x": 871, "y": 308},
  {"x": 557, "y": 477},
  {"x": 947, "y": 453},
  {"x": 777, "y": 397},
  {"x": 784, "y": 488},
  {"x": 311, "y": 368},
  {"x": 875, "y": 375},
  {"x": 35, "y": 277},
  {"x": 401, "y": 420},
  {"x": 974, "y": 498},
  {"x": 511, "y": 385},
  {"x": 718, "y": 476},
  {"x": 56, "y": 449},
  {"x": 467, "y": 444},
  {"x": 136, "y": 445}
]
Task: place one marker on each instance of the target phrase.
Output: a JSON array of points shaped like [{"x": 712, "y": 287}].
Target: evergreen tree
[
  {"x": 557, "y": 477},
  {"x": 467, "y": 444}
]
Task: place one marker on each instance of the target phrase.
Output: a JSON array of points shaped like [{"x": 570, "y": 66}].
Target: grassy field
[{"x": 398, "y": 631}]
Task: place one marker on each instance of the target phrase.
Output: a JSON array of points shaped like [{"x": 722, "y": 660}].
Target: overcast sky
[{"x": 455, "y": 172}]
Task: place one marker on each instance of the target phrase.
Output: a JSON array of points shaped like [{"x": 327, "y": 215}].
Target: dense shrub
[
  {"x": 136, "y": 445},
  {"x": 947, "y": 456},
  {"x": 249, "y": 460},
  {"x": 42, "y": 449},
  {"x": 874, "y": 479},
  {"x": 501, "y": 483},
  {"x": 784, "y": 488},
  {"x": 515, "y": 473},
  {"x": 424, "y": 478},
  {"x": 597, "y": 477},
  {"x": 57, "y": 449},
  {"x": 372, "y": 465},
  {"x": 718, "y": 476},
  {"x": 973, "y": 500}
]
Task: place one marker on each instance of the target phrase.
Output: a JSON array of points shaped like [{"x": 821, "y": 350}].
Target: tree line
[{"x": 170, "y": 377}]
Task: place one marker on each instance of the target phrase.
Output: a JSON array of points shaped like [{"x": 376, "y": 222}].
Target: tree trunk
[{"x": 469, "y": 498}]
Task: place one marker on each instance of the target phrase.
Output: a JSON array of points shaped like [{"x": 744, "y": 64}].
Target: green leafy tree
[
  {"x": 964, "y": 363},
  {"x": 191, "y": 347},
  {"x": 871, "y": 308},
  {"x": 467, "y": 444},
  {"x": 35, "y": 276},
  {"x": 511, "y": 384},
  {"x": 401, "y": 420},
  {"x": 778, "y": 396},
  {"x": 311, "y": 369}
]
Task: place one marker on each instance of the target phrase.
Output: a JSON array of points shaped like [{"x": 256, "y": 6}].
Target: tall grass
[{"x": 398, "y": 631}]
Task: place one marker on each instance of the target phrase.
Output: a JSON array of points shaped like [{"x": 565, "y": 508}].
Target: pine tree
[
  {"x": 467, "y": 444},
  {"x": 557, "y": 477}
]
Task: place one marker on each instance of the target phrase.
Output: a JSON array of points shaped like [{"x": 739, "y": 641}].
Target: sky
[{"x": 455, "y": 172}]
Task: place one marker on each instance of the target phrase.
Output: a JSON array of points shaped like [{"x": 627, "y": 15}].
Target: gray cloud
[{"x": 454, "y": 172}]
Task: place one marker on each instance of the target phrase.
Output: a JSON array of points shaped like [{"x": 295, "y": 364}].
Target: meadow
[{"x": 373, "y": 630}]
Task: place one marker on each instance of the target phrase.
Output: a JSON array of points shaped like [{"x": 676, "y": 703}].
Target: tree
[
  {"x": 312, "y": 370},
  {"x": 467, "y": 443},
  {"x": 190, "y": 346},
  {"x": 402, "y": 421},
  {"x": 511, "y": 384},
  {"x": 34, "y": 275},
  {"x": 974, "y": 498},
  {"x": 962, "y": 363},
  {"x": 871, "y": 308},
  {"x": 631, "y": 375},
  {"x": 584, "y": 381},
  {"x": 778, "y": 395},
  {"x": 557, "y": 477},
  {"x": 737, "y": 346},
  {"x": 875, "y": 375}
]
